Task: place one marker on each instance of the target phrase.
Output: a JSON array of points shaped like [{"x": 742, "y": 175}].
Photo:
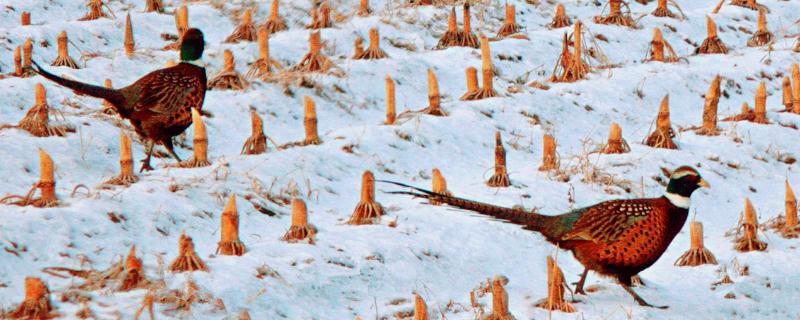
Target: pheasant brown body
[
  {"x": 617, "y": 238},
  {"x": 158, "y": 105}
]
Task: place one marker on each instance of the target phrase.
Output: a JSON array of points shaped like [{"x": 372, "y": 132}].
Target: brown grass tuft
[
  {"x": 126, "y": 175},
  {"x": 500, "y": 177},
  {"x": 229, "y": 243},
  {"x": 187, "y": 260},
  {"x": 228, "y": 78},
  {"x": 747, "y": 233},
  {"x": 257, "y": 142},
  {"x": 245, "y": 31},
  {"x": 662, "y": 136},
  {"x": 300, "y": 230},
  {"x": 367, "y": 211},
  {"x": 556, "y": 287},
  {"x": 697, "y": 254},
  {"x": 712, "y": 44},
  {"x": 36, "y": 305},
  {"x": 147, "y": 303}
]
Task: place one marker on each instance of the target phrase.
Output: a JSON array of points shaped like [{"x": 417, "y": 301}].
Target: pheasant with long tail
[{"x": 617, "y": 238}]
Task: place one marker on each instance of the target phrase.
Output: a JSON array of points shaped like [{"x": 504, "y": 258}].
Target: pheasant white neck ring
[{"x": 678, "y": 200}]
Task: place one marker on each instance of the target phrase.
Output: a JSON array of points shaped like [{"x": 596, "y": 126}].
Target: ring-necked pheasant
[
  {"x": 158, "y": 105},
  {"x": 617, "y": 238}
]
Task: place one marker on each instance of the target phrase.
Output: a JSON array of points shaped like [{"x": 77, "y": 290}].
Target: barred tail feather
[
  {"x": 112, "y": 96},
  {"x": 529, "y": 220}
]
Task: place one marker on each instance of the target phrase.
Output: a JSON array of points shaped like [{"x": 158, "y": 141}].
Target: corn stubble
[
  {"x": 313, "y": 61},
  {"x": 133, "y": 274},
  {"x": 439, "y": 185},
  {"x": 181, "y": 25},
  {"x": 662, "y": 136},
  {"x": 571, "y": 67},
  {"x": 616, "y": 16},
  {"x": 500, "y": 177},
  {"x": 786, "y": 225},
  {"x": 257, "y": 142},
  {"x": 367, "y": 211},
  {"x": 709, "y": 127},
  {"x": 275, "y": 22},
  {"x": 128, "y": 43},
  {"x": 556, "y": 287},
  {"x": 245, "y": 31},
  {"x": 762, "y": 36},
  {"x": 36, "y": 305},
  {"x": 46, "y": 186},
  {"x": 660, "y": 50},
  {"x": 510, "y": 26},
  {"x": 747, "y": 233},
  {"x": 265, "y": 66},
  {"x": 616, "y": 144},
  {"x": 759, "y": 115},
  {"x": 300, "y": 230},
  {"x": 37, "y": 121},
  {"x": 126, "y": 175},
  {"x": 229, "y": 243},
  {"x": 187, "y": 260},
  {"x": 228, "y": 78},
  {"x": 550, "y": 161},
  {"x": 63, "y": 59},
  {"x": 697, "y": 253},
  {"x": 663, "y": 11},
  {"x": 95, "y": 11},
  {"x": 499, "y": 302},
  {"x": 374, "y": 51},
  {"x": 320, "y": 16},
  {"x": 560, "y": 19},
  {"x": 712, "y": 44},
  {"x": 749, "y": 4},
  {"x": 199, "y": 144},
  {"x": 487, "y": 88},
  {"x": 154, "y": 6}
]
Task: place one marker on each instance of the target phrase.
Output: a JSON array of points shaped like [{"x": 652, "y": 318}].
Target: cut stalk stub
[
  {"x": 181, "y": 25},
  {"x": 759, "y": 115},
  {"x": 549, "y": 156},
  {"x": 663, "y": 11},
  {"x": 37, "y": 119},
  {"x": 313, "y": 61},
  {"x": 697, "y": 253},
  {"x": 63, "y": 59},
  {"x": 25, "y": 18},
  {"x": 263, "y": 67},
  {"x": 466, "y": 37},
  {"x": 709, "y": 127},
  {"x": 95, "y": 11},
  {"x": 367, "y": 211},
  {"x": 133, "y": 275},
  {"x": 712, "y": 44},
  {"x": 786, "y": 225},
  {"x": 420, "y": 308},
  {"x": 662, "y": 136},
  {"x": 229, "y": 243},
  {"x": 46, "y": 186},
  {"x": 434, "y": 98},
  {"x": 153, "y": 6},
  {"x": 439, "y": 185},
  {"x": 560, "y": 19},
  {"x": 660, "y": 50},
  {"x": 556, "y": 287},
  {"x": 300, "y": 230},
  {"x": 571, "y": 67},
  {"x": 747, "y": 232},
  {"x": 509, "y": 26},
  {"x": 37, "y": 302},
  {"x": 128, "y": 43},
  {"x": 487, "y": 90},
  {"x": 500, "y": 177},
  {"x": 499, "y": 302},
  {"x": 616, "y": 144},
  {"x": 320, "y": 16},
  {"x": 363, "y": 8},
  {"x": 245, "y": 31},
  {"x": 257, "y": 142},
  {"x": 616, "y": 16},
  {"x": 374, "y": 51},
  {"x": 126, "y": 175},
  {"x": 452, "y": 36},
  {"x": 472, "y": 84},
  {"x": 187, "y": 260},
  {"x": 199, "y": 144},
  {"x": 275, "y": 22},
  {"x": 749, "y": 4},
  {"x": 762, "y": 36},
  {"x": 310, "y": 122},
  {"x": 228, "y": 78},
  {"x": 391, "y": 112}
]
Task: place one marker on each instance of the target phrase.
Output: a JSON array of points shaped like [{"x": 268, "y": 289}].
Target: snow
[{"x": 436, "y": 251}]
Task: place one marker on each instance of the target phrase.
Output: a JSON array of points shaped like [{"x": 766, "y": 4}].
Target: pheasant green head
[
  {"x": 192, "y": 45},
  {"x": 682, "y": 183}
]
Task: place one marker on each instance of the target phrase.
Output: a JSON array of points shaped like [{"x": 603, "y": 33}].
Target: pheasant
[
  {"x": 158, "y": 105},
  {"x": 617, "y": 238}
]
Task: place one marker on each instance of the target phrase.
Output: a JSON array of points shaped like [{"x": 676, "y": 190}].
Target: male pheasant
[
  {"x": 617, "y": 238},
  {"x": 158, "y": 105}
]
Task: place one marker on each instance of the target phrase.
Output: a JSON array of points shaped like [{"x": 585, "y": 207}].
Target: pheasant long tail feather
[
  {"x": 112, "y": 96},
  {"x": 530, "y": 220}
]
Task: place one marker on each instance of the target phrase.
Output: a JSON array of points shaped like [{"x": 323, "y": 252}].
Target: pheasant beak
[{"x": 704, "y": 184}]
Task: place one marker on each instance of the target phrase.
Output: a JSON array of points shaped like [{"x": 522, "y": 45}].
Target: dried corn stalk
[
  {"x": 487, "y": 90},
  {"x": 560, "y": 20},
  {"x": 313, "y": 61},
  {"x": 795, "y": 88},
  {"x": 23, "y": 65},
  {"x": 367, "y": 211},
  {"x": 787, "y": 225},
  {"x": 300, "y": 230},
  {"x": 133, "y": 275},
  {"x": 499, "y": 302},
  {"x": 245, "y": 31},
  {"x": 749, "y": 4},
  {"x": 788, "y": 97},
  {"x": 25, "y": 18},
  {"x": 391, "y": 116},
  {"x": 452, "y": 36},
  {"x": 147, "y": 303},
  {"x": 199, "y": 144},
  {"x": 616, "y": 16},
  {"x": 616, "y": 144},
  {"x": 710, "y": 109},
  {"x": 662, "y": 10},
  {"x": 264, "y": 66},
  {"x": 434, "y": 98},
  {"x": 37, "y": 302},
  {"x": 129, "y": 44},
  {"x": 126, "y": 175},
  {"x": 697, "y": 254},
  {"x": 63, "y": 59},
  {"x": 310, "y": 122},
  {"x": 472, "y": 84},
  {"x": 500, "y": 178},
  {"x": 358, "y": 47},
  {"x": 37, "y": 119},
  {"x": 95, "y": 11},
  {"x": 374, "y": 50},
  {"x": 46, "y": 186},
  {"x": 320, "y": 17},
  {"x": 762, "y": 35},
  {"x": 712, "y": 44},
  {"x": 556, "y": 287},
  {"x": 228, "y": 78},
  {"x": 549, "y": 157},
  {"x": 257, "y": 142},
  {"x": 760, "y": 113},
  {"x": 660, "y": 50},
  {"x": 509, "y": 26},
  {"x": 153, "y": 6},
  {"x": 275, "y": 22},
  {"x": 420, "y": 308},
  {"x": 439, "y": 185},
  {"x": 747, "y": 237},
  {"x": 466, "y": 37},
  {"x": 662, "y": 136},
  {"x": 181, "y": 26},
  {"x": 229, "y": 243},
  {"x": 575, "y": 68},
  {"x": 363, "y": 8},
  {"x": 187, "y": 260}
]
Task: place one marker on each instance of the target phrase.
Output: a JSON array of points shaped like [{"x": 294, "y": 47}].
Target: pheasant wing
[
  {"x": 165, "y": 91},
  {"x": 607, "y": 221}
]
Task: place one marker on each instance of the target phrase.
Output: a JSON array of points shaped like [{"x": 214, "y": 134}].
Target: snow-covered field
[{"x": 442, "y": 254}]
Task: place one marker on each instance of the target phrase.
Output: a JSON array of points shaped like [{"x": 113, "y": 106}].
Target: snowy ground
[{"x": 438, "y": 252}]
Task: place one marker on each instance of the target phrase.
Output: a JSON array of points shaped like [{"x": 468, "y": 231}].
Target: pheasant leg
[
  {"x": 171, "y": 149},
  {"x": 581, "y": 282},
  {"x": 639, "y": 299},
  {"x": 146, "y": 162}
]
